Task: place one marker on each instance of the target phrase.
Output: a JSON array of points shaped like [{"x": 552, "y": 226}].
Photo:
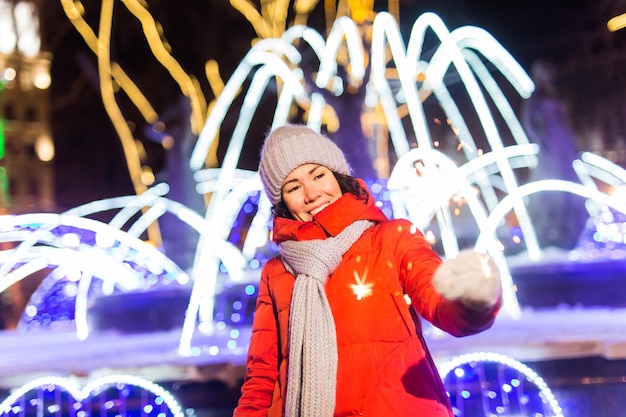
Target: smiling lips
[{"x": 318, "y": 209}]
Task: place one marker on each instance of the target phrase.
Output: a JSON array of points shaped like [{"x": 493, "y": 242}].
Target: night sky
[{"x": 89, "y": 162}]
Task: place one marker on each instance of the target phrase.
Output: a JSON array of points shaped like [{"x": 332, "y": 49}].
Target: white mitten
[{"x": 471, "y": 277}]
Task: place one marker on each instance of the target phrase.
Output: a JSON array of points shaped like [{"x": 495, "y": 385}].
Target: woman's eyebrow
[
  {"x": 289, "y": 181},
  {"x": 314, "y": 168}
]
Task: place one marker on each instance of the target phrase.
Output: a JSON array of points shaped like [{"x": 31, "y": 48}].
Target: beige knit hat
[{"x": 289, "y": 146}]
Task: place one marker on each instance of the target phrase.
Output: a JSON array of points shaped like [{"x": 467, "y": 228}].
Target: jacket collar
[{"x": 330, "y": 221}]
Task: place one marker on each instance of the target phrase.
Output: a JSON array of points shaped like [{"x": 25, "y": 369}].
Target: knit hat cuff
[{"x": 290, "y": 146}]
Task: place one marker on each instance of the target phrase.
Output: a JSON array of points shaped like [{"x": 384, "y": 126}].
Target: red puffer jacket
[{"x": 384, "y": 367}]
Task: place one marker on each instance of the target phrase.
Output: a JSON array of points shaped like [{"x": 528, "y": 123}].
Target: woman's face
[{"x": 309, "y": 189}]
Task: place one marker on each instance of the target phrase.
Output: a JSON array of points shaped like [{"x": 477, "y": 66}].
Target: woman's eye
[
  {"x": 318, "y": 176},
  {"x": 292, "y": 189}
]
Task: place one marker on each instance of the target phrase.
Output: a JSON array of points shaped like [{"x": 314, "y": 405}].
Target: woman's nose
[{"x": 311, "y": 193}]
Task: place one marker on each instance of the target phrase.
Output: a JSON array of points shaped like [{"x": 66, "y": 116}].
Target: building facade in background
[{"x": 26, "y": 145}]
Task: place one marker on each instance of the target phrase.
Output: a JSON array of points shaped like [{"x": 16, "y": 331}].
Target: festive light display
[
  {"x": 77, "y": 251},
  {"x": 490, "y": 171},
  {"x": 225, "y": 253},
  {"x": 462, "y": 50},
  {"x": 112, "y": 395},
  {"x": 49, "y": 241},
  {"x": 234, "y": 240},
  {"x": 489, "y": 384},
  {"x": 481, "y": 383}
]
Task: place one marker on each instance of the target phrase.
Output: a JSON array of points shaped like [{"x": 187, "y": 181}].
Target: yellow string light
[{"x": 617, "y": 23}]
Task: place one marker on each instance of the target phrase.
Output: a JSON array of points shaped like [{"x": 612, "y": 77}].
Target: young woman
[{"x": 336, "y": 330}]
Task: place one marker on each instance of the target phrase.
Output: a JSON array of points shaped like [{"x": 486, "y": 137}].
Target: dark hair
[{"x": 347, "y": 184}]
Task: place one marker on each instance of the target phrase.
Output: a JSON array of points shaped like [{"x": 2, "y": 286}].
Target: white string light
[
  {"x": 94, "y": 387},
  {"x": 545, "y": 393}
]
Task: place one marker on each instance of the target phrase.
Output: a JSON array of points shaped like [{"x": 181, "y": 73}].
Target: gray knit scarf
[{"x": 312, "y": 369}]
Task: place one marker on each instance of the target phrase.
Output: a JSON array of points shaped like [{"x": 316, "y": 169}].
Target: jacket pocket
[{"x": 404, "y": 310}]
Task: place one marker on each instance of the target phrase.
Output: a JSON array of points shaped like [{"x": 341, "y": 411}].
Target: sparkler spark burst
[{"x": 361, "y": 289}]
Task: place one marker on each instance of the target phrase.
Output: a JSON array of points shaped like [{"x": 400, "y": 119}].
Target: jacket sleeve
[
  {"x": 262, "y": 362},
  {"x": 418, "y": 263}
]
